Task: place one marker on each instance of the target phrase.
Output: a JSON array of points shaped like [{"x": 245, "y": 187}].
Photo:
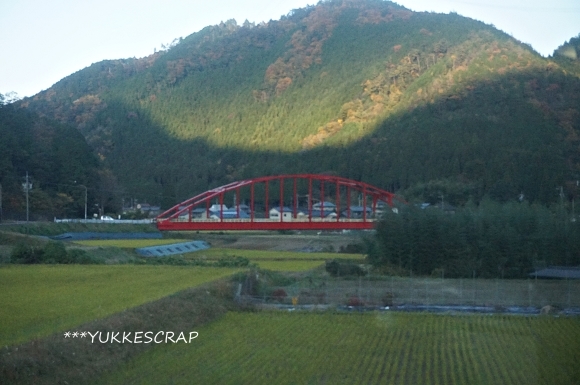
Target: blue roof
[
  {"x": 323, "y": 213},
  {"x": 286, "y": 209},
  {"x": 326, "y": 204},
  {"x": 359, "y": 209}
]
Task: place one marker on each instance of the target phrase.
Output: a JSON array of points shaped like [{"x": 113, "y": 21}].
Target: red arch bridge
[{"x": 282, "y": 202}]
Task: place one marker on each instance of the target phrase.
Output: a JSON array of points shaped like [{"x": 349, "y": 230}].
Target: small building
[
  {"x": 287, "y": 214},
  {"x": 330, "y": 213},
  {"x": 357, "y": 212},
  {"x": 198, "y": 213},
  {"x": 228, "y": 214},
  {"x": 243, "y": 207},
  {"x": 325, "y": 205},
  {"x": 218, "y": 208}
]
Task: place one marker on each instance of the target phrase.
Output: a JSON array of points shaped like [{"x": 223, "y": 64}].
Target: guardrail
[{"x": 114, "y": 221}]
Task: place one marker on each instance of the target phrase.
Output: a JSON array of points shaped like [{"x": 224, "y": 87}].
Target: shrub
[
  {"x": 55, "y": 252},
  {"x": 353, "y": 248},
  {"x": 223, "y": 289},
  {"x": 233, "y": 262},
  {"x": 279, "y": 295},
  {"x": 342, "y": 269},
  {"x": 52, "y": 252},
  {"x": 388, "y": 299},
  {"x": 81, "y": 257},
  {"x": 23, "y": 253},
  {"x": 355, "y": 301},
  {"x": 250, "y": 285}
]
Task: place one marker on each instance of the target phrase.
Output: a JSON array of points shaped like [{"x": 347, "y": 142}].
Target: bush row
[
  {"x": 180, "y": 261},
  {"x": 51, "y": 253}
]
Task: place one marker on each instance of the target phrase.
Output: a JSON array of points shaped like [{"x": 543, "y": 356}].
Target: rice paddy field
[
  {"x": 276, "y": 260},
  {"x": 275, "y": 254},
  {"x": 368, "y": 348},
  {"x": 298, "y": 347},
  {"x": 220, "y": 252},
  {"x": 38, "y": 300}
]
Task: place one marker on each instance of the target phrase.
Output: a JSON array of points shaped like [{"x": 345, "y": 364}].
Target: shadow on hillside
[{"x": 514, "y": 135}]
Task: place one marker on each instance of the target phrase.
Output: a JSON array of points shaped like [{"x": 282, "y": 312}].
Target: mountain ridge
[{"x": 324, "y": 86}]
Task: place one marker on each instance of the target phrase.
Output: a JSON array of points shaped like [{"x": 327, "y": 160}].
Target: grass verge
[
  {"x": 56, "y": 359},
  {"x": 50, "y": 228}
]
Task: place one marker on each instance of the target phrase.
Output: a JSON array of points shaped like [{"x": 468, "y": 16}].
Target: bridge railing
[{"x": 249, "y": 220}]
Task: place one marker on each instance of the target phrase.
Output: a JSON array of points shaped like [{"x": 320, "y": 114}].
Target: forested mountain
[
  {"x": 57, "y": 158},
  {"x": 570, "y": 49},
  {"x": 420, "y": 103}
]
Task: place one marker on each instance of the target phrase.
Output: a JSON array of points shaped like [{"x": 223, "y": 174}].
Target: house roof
[
  {"x": 277, "y": 209},
  {"x": 229, "y": 214},
  {"x": 325, "y": 213},
  {"x": 326, "y": 204},
  {"x": 358, "y": 209}
]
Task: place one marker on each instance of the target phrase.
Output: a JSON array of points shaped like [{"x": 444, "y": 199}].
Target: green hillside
[
  {"x": 57, "y": 158},
  {"x": 365, "y": 89}
]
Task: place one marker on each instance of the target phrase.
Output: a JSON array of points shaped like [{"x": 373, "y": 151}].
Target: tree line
[{"x": 489, "y": 240}]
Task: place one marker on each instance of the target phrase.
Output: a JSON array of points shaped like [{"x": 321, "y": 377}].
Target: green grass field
[
  {"x": 388, "y": 348},
  {"x": 36, "y": 301}
]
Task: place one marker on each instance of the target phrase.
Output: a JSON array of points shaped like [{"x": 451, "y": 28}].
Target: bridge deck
[{"x": 265, "y": 224}]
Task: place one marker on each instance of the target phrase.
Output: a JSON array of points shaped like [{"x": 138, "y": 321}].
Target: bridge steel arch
[{"x": 283, "y": 210}]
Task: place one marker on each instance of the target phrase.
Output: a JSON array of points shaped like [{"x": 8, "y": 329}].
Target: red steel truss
[{"x": 284, "y": 210}]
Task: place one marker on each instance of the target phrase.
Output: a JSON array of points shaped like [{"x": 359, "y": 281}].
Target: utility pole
[
  {"x": 27, "y": 186},
  {"x": 0, "y": 202},
  {"x": 85, "y": 201},
  {"x": 85, "y": 187},
  {"x": 563, "y": 212}
]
